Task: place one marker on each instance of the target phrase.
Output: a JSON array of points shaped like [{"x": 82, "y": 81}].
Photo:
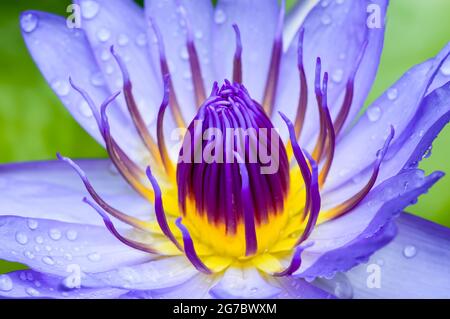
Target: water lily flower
[{"x": 153, "y": 222}]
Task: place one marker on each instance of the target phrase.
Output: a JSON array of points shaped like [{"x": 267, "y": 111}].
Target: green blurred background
[{"x": 34, "y": 125}]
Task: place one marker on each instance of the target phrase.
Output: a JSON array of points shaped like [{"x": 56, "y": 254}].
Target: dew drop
[
  {"x": 326, "y": 19},
  {"x": 39, "y": 239},
  {"x": 374, "y": 113},
  {"x": 122, "y": 40},
  {"x": 89, "y": 9},
  {"x": 340, "y": 1},
  {"x": 55, "y": 234},
  {"x": 71, "y": 235},
  {"x": 184, "y": 53},
  {"x": 85, "y": 110},
  {"x": 32, "y": 224},
  {"x": 21, "y": 238},
  {"x": 220, "y": 16},
  {"x": 97, "y": 79},
  {"x": 103, "y": 34},
  {"x": 445, "y": 69},
  {"x": 337, "y": 75},
  {"x": 48, "y": 260},
  {"x": 427, "y": 153},
  {"x": 141, "y": 39},
  {"x": 29, "y": 254},
  {"x": 32, "y": 292},
  {"x": 325, "y": 3},
  {"x": 342, "y": 56},
  {"x": 105, "y": 55},
  {"x": 6, "y": 283},
  {"x": 61, "y": 88},
  {"x": 392, "y": 94},
  {"x": 94, "y": 257},
  {"x": 198, "y": 34},
  {"x": 409, "y": 251},
  {"x": 29, "y": 22}
]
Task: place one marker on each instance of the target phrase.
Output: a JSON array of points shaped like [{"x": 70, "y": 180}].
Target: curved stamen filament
[
  {"x": 136, "y": 116},
  {"x": 301, "y": 161},
  {"x": 315, "y": 200},
  {"x": 303, "y": 99},
  {"x": 124, "y": 167},
  {"x": 100, "y": 201},
  {"x": 189, "y": 249},
  {"x": 251, "y": 244},
  {"x": 199, "y": 88},
  {"x": 168, "y": 165},
  {"x": 237, "y": 62},
  {"x": 132, "y": 166},
  {"x": 295, "y": 263},
  {"x": 352, "y": 202},
  {"x": 349, "y": 93},
  {"x": 173, "y": 101},
  {"x": 330, "y": 135},
  {"x": 318, "y": 149},
  {"x": 110, "y": 226},
  {"x": 159, "y": 210},
  {"x": 274, "y": 69}
]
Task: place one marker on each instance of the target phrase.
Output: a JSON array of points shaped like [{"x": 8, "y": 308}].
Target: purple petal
[
  {"x": 31, "y": 284},
  {"x": 159, "y": 274},
  {"x": 168, "y": 18},
  {"x": 342, "y": 243},
  {"x": 257, "y": 21},
  {"x": 53, "y": 190},
  {"x": 336, "y": 34},
  {"x": 415, "y": 144},
  {"x": 295, "y": 18},
  {"x": 416, "y": 264},
  {"x": 296, "y": 288},
  {"x": 60, "y": 53},
  {"x": 398, "y": 107},
  {"x": 195, "y": 288},
  {"x": 243, "y": 283},
  {"x": 52, "y": 247},
  {"x": 122, "y": 24}
]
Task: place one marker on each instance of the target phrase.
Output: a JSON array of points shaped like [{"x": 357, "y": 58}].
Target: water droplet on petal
[
  {"x": 141, "y": 39},
  {"x": 29, "y": 254},
  {"x": 374, "y": 113},
  {"x": 122, "y": 40},
  {"x": 6, "y": 283},
  {"x": 94, "y": 257},
  {"x": 32, "y": 292},
  {"x": 409, "y": 251},
  {"x": 337, "y": 75},
  {"x": 445, "y": 68},
  {"x": 89, "y": 9},
  {"x": 29, "y": 22},
  {"x": 326, "y": 19},
  {"x": 103, "y": 34},
  {"x": 184, "y": 53},
  {"x": 71, "y": 235},
  {"x": 48, "y": 260},
  {"x": 325, "y": 3},
  {"x": 32, "y": 224},
  {"x": 21, "y": 238},
  {"x": 55, "y": 234},
  {"x": 198, "y": 34},
  {"x": 97, "y": 79},
  {"x": 85, "y": 109},
  {"x": 427, "y": 153},
  {"x": 61, "y": 88},
  {"x": 39, "y": 239},
  {"x": 105, "y": 55},
  {"x": 392, "y": 94},
  {"x": 220, "y": 16}
]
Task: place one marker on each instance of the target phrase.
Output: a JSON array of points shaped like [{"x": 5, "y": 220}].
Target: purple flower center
[{"x": 231, "y": 133}]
